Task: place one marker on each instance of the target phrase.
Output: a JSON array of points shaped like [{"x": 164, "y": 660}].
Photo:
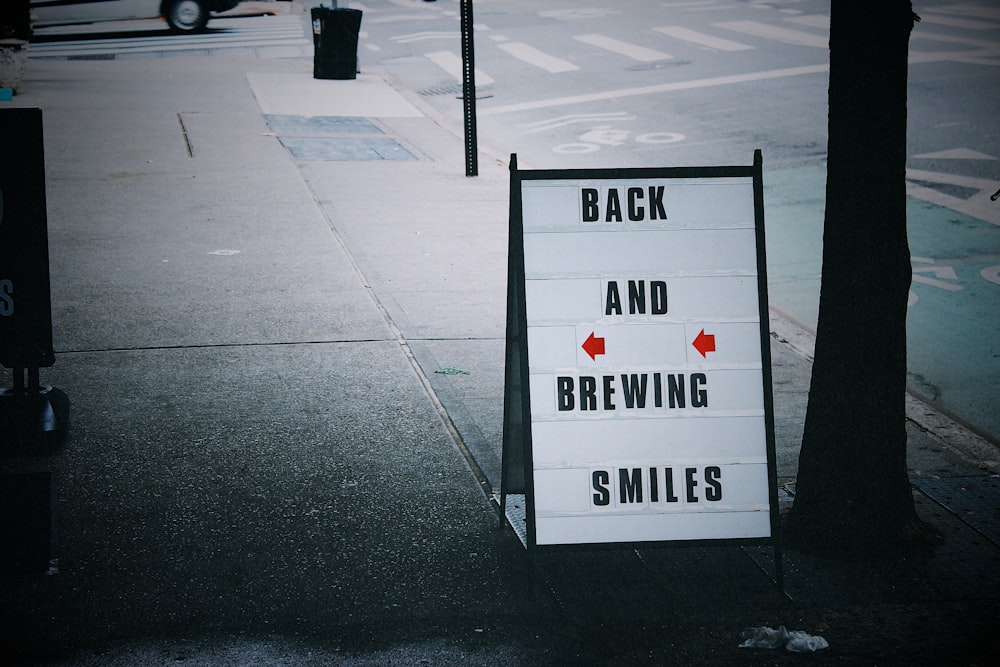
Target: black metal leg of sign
[
  {"x": 34, "y": 418},
  {"x": 511, "y": 459},
  {"x": 516, "y": 453},
  {"x": 469, "y": 91},
  {"x": 765, "y": 352}
]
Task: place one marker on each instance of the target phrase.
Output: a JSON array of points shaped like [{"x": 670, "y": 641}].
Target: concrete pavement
[{"x": 262, "y": 288}]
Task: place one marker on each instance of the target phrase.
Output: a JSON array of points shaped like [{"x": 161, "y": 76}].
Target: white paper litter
[{"x": 794, "y": 641}]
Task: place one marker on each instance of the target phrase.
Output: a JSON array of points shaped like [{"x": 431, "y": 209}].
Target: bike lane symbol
[{"x": 605, "y": 135}]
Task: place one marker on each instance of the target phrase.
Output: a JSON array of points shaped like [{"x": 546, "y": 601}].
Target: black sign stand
[
  {"x": 515, "y": 472},
  {"x": 32, "y": 415},
  {"x": 516, "y": 459}
]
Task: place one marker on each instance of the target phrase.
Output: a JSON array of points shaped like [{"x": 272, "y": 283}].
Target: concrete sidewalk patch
[
  {"x": 299, "y": 94},
  {"x": 320, "y": 126},
  {"x": 345, "y": 148},
  {"x": 335, "y": 138}
]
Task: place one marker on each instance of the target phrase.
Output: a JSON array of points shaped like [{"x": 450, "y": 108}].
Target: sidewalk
[{"x": 279, "y": 312}]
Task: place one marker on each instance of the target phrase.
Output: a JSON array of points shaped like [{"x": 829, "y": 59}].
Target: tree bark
[
  {"x": 853, "y": 496},
  {"x": 15, "y": 19}
]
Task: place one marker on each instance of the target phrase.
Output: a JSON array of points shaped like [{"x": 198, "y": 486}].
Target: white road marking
[
  {"x": 968, "y": 10},
  {"x": 254, "y": 32},
  {"x": 533, "y": 56},
  {"x": 655, "y": 89},
  {"x": 812, "y": 21},
  {"x": 452, "y": 64},
  {"x": 400, "y": 18},
  {"x": 951, "y": 179},
  {"x": 571, "y": 119},
  {"x": 986, "y": 46},
  {"x": 977, "y": 206},
  {"x": 941, "y": 274},
  {"x": 965, "y": 24},
  {"x": 633, "y": 51},
  {"x": 695, "y": 3},
  {"x": 701, "y": 39},
  {"x": 576, "y": 14},
  {"x": 991, "y": 274},
  {"x": 957, "y": 154},
  {"x": 776, "y": 33},
  {"x": 575, "y": 149},
  {"x": 659, "y": 138},
  {"x": 153, "y": 45},
  {"x": 409, "y": 4},
  {"x": 422, "y": 36}
]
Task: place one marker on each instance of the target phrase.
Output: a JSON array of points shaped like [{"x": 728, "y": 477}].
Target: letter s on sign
[
  {"x": 602, "y": 495},
  {"x": 6, "y": 286},
  {"x": 6, "y": 298}
]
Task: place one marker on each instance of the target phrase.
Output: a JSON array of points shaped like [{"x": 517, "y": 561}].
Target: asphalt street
[{"x": 707, "y": 83}]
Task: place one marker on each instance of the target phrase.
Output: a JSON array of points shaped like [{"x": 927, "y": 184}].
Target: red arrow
[
  {"x": 704, "y": 343},
  {"x": 593, "y": 346}
]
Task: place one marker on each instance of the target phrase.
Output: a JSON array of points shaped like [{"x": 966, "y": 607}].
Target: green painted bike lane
[{"x": 953, "y": 326}]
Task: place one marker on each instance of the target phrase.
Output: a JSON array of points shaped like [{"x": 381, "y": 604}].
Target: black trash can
[{"x": 335, "y": 40}]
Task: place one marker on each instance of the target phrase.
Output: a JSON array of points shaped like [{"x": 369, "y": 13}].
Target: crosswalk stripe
[
  {"x": 786, "y": 35},
  {"x": 954, "y": 22},
  {"x": 967, "y": 10},
  {"x": 167, "y": 38},
  {"x": 693, "y": 3},
  {"x": 403, "y": 18},
  {"x": 156, "y": 48},
  {"x": 700, "y": 38},
  {"x": 422, "y": 36},
  {"x": 452, "y": 64},
  {"x": 957, "y": 154},
  {"x": 164, "y": 39},
  {"x": 815, "y": 34},
  {"x": 812, "y": 21},
  {"x": 533, "y": 56},
  {"x": 633, "y": 51},
  {"x": 270, "y": 32}
]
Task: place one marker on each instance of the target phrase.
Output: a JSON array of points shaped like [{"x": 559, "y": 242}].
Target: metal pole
[{"x": 469, "y": 91}]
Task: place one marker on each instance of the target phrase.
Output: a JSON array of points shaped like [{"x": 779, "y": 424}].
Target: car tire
[{"x": 187, "y": 15}]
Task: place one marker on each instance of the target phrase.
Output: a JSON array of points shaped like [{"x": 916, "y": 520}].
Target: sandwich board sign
[{"x": 637, "y": 403}]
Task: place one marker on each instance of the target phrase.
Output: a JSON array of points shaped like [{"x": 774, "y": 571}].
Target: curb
[{"x": 949, "y": 433}]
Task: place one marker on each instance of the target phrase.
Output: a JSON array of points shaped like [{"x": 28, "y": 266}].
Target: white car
[{"x": 182, "y": 15}]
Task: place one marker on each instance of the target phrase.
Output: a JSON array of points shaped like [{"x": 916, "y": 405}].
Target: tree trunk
[
  {"x": 15, "y": 19},
  {"x": 853, "y": 495}
]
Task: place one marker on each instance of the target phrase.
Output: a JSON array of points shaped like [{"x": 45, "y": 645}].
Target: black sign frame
[{"x": 25, "y": 297}]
